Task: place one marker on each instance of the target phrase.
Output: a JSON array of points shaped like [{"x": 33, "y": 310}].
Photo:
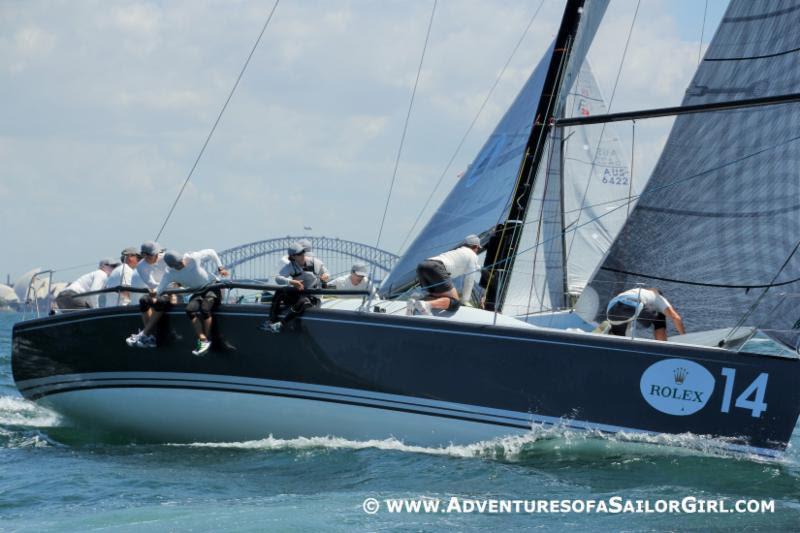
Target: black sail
[{"x": 719, "y": 221}]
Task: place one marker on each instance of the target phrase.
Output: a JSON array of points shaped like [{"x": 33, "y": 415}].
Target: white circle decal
[{"x": 677, "y": 386}]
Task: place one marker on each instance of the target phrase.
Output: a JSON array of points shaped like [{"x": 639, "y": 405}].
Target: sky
[{"x": 107, "y": 105}]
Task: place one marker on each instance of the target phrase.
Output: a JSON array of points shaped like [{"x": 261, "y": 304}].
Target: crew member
[
  {"x": 123, "y": 276},
  {"x": 435, "y": 276},
  {"x": 91, "y": 281},
  {"x": 301, "y": 273},
  {"x": 186, "y": 270},
  {"x": 648, "y": 307},
  {"x": 150, "y": 270},
  {"x": 356, "y": 280}
]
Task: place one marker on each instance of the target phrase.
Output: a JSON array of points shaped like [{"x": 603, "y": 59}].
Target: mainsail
[
  {"x": 482, "y": 197},
  {"x": 719, "y": 221},
  {"x": 578, "y": 207}
]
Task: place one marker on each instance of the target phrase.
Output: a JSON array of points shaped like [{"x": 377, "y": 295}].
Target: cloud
[{"x": 111, "y": 103}]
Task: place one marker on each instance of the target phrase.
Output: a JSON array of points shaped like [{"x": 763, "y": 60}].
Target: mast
[{"x": 503, "y": 245}]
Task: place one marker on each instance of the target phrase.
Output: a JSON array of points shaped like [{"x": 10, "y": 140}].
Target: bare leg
[
  {"x": 198, "y": 327},
  {"x": 155, "y": 316},
  {"x": 660, "y": 334},
  {"x": 441, "y": 300},
  {"x": 207, "y": 327}
]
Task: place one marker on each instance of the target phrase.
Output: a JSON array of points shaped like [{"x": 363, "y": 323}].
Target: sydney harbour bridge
[{"x": 261, "y": 260}]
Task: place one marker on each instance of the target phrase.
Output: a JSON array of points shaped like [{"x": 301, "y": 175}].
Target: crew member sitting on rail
[
  {"x": 356, "y": 280},
  {"x": 301, "y": 273},
  {"x": 647, "y": 307},
  {"x": 123, "y": 276},
  {"x": 150, "y": 271},
  {"x": 435, "y": 275},
  {"x": 186, "y": 270},
  {"x": 91, "y": 281}
]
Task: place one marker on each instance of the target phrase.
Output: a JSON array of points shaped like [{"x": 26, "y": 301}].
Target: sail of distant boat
[{"x": 579, "y": 206}]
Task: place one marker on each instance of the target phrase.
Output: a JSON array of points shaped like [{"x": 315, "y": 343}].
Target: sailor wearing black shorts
[{"x": 648, "y": 307}]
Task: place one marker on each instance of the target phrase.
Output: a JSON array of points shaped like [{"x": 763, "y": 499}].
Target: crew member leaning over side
[
  {"x": 186, "y": 270},
  {"x": 435, "y": 276}
]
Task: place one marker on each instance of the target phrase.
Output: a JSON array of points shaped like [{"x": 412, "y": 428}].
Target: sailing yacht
[{"x": 363, "y": 369}]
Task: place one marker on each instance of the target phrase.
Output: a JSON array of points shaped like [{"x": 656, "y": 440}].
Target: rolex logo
[{"x": 680, "y": 374}]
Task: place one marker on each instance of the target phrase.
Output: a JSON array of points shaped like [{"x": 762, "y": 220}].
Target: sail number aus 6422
[{"x": 751, "y": 398}]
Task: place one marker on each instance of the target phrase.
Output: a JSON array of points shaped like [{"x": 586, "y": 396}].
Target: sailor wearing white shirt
[
  {"x": 356, "y": 280},
  {"x": 92, "y": 281},
  {"x": 435, "y": 275},
  {"x": 187, "y": 271},
  {"x": 150, "y": 270},
  {"x": 648, "y": 307},
  {"x": 122, "y": 276}
]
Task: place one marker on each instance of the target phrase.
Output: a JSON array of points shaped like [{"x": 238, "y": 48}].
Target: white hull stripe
[{"x": 412, "y": 405}]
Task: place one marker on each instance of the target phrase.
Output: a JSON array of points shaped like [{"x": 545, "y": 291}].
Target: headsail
[
  {"x": 719, "y": 220},
  {"x": 482, "y": 198}
]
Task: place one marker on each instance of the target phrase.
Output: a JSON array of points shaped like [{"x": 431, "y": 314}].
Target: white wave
[
  {"x": 540, "y": 440},
  {"x": 16, "y": 411}
]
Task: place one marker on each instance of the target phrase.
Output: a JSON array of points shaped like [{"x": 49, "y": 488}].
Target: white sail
[{"x": 584, "y": 205}]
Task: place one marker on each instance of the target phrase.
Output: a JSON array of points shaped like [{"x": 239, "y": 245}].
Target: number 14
[{"x": 757, "y": 389}]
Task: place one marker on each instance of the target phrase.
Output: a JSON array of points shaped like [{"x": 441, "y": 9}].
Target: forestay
[{"x": 719, "y": 220}]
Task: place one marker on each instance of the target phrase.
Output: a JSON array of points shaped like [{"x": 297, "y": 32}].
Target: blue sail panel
[{"x": 480, "y": 199}]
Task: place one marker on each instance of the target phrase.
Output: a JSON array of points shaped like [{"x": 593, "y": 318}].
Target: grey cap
[
  {"x": 130, "y": 250},
  {"x": 295, "y": 248},
  {"x": 150, "y": 248},
  {"x": 108, "y": 261},
  {"x": 173, "y": 258},
  {"x": 472, "y": 240},
  {"x": 359, "y": 269},
  {"x": 305, "y": 243}
]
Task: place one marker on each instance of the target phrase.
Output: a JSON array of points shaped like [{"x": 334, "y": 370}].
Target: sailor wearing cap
[
  {"x": 356, "y": 280},
  {"x": 150, "y": 270},
  {"x": 300, "y": 261},
  {"x": 92, "y": 281},
  {"x": 123, "y": 276},
  {"x": 436, "y": 273},
  {"x": 187, "y": 271},
  {"x": 301, "y": 273}
]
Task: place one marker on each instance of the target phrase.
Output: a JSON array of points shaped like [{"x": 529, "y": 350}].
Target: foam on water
[
  {"x": 517, "y": 449},
  {"x": 16, "y": 411}
]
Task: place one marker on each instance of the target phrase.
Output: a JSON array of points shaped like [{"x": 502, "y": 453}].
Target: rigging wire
[
  {"x": 471, "y": 125},
  {"x": 603, "y": 130},
  {"x": 216, "y": 122},
  {"x": 702, "y": 34},
  {"x": 652, "y": 192},
  {"x": 405, "y": 126}
]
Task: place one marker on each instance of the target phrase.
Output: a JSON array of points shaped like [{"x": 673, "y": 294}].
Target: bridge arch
[{"x": 262, "y": 259}]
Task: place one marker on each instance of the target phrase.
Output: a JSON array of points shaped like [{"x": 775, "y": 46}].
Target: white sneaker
[
  {"x": 422, "y": 307},
  {"x": 146, "y": 341},
  {"x": 275, "y": 327},
  {"x": 202, "y": 347},
  {"x": 133, "y": 338}
]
